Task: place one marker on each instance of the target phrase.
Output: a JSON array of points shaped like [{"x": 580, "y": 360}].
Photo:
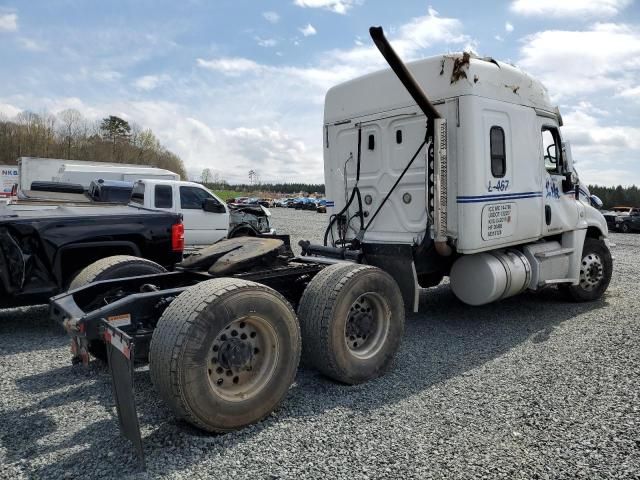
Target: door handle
[{"x": 547, "y": 214}]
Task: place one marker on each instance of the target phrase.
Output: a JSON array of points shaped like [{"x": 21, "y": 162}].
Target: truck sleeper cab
[{"x": 502, "y": 186}]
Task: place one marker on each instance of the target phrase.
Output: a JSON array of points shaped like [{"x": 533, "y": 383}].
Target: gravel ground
[{"x": 531, "y": 387}]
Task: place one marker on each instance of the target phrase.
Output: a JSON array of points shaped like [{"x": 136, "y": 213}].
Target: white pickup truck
[{"x": 206, "y": 217}]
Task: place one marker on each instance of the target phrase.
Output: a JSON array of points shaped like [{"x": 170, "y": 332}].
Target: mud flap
[{"x": 120, "y": 353}]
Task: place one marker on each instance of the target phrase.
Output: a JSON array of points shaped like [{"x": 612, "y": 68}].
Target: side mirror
[
  {"x": 211, "y": 205},
  {"x": 596, "y": 202}
]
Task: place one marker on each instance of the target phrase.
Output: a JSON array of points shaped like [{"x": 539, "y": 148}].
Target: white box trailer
[
  {"x": 85, "y": 174},
  {"x": 38, "y": 169},
  {"x": 9, "y": 176}
]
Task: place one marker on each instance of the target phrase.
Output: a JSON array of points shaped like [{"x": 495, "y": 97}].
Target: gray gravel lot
[{"x": 531, "y": 387}]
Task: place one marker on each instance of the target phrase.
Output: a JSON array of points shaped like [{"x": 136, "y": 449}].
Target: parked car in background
[
  {"x": 321, "y": 206},
  {"x": 207, "y": 219},
  {"x": 612, "y": 214},
  {"x": 43, "y": 247},
  {"x": 629, "y": 222},
  {"x": 113, "y": 191}
]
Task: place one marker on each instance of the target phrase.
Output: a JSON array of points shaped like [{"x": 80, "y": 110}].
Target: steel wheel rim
[
  {"x": 367, "y": 325},
  {"x": 243, "y": 360},
  {"x": 591, "y": 271}
]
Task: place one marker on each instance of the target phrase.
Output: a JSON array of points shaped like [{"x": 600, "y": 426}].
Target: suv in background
[
  {"x": 628, "y": 221},
  {"x": 611, "y": 215}
]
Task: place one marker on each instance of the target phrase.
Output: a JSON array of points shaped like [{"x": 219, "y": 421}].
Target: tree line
[
  {"x": 617, "y": 196},
  {"x": 286, "y": 188},
  {"x": 69, "y": 135}
]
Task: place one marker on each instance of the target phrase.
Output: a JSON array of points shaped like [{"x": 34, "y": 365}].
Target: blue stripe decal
[{"x": 494, "y": 198}]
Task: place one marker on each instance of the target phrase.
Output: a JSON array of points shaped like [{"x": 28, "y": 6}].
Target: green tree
[{"x": 115, "y": 128}]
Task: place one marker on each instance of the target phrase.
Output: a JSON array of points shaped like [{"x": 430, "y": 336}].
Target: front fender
[{"x": 594, "y": 220}]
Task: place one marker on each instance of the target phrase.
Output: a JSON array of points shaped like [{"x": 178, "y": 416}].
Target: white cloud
[
  {"x": 336, "y": 6},
  {"x": 632, "y": 92},
  {"x": 308, "y": 30},
  {"x": 569, "y": 8},
  {"x": 230, "y": 65},
  {"x": 233, "y": 114},
  {"x": 8, "y": 110},
  {"x": 274, "y": 153},
  {"x": 339, "y": 65},
  {"x": 107, "y": 75},
  {"x": 266, "y": 42},
  {"x": 605, "y": 56},
  {"x": 595, "y": 143},
  {"x": 508, "y": 27},
  {"x": 31, "y": 45},
  {"x": 499, "y": 38},
  {"x": 150, "y": 82},
  {"x": 8, "y": 22},
  {"x": 271, "y": 17},
  {"x": 422, "y": 32}
]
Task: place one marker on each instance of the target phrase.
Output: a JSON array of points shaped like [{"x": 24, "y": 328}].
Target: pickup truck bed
[{"x": 42, "y": 247}]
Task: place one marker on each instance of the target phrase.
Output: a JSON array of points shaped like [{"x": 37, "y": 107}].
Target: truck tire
[
  {"x": 625, "y": 228},
  {"x": 117, "y": 266},
  {"x": 595, "y": 272},
  {"x": 224, "y": 353},
  {"x": 352, "y": 321},
  {"x": 109, "y": 268}
]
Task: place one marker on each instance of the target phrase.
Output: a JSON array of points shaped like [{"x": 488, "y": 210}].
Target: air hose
[{"x": 355, "y": 193}]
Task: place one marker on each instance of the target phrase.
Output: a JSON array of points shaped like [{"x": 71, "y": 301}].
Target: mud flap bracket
[{"x": 120, "y": 353}]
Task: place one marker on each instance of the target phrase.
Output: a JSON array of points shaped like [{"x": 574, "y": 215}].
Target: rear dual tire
[
  {"x": 224, "y": 353},
  {"x": 352, "y": 321}
]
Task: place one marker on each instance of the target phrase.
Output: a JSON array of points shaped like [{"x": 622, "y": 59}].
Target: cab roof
[{"x": 441, "y": 77}]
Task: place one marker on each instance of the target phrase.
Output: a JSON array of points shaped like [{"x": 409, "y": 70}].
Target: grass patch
[{"x": 227, "y": 194}]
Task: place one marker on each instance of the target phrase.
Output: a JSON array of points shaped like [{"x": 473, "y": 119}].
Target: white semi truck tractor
[{"x": 475, "y": 184}]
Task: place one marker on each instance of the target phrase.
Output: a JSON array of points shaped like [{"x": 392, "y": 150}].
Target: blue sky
[{"x": 239, "y": 85}]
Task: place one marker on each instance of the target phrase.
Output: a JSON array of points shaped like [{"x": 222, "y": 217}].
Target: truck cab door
[
  {"x": 201, "y": 227},
  {"x": 559, "y": 202}
]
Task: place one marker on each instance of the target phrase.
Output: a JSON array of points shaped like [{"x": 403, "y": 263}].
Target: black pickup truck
[{"x": 43, "y": 249}]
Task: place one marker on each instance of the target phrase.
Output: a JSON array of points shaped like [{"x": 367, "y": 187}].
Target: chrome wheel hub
[
  {"x": 243, "y": 358},
  {"x": 367, "y": 325},
  {"x": 591, "y": 271}
]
